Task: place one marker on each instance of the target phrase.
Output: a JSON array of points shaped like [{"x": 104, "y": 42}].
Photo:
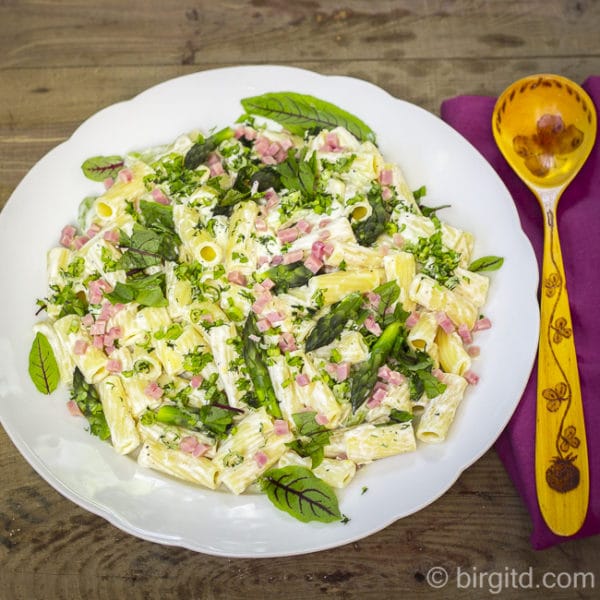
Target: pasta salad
[{"x": 268, "y": 306}]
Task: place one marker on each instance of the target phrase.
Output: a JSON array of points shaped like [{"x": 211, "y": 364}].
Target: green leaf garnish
[
  {"x": 486, "y": 263},
  {"x": 87, "y": 399},
  {"x": 301, "y": 112},
  {"x": 43, "y": 368},
  {"x": 99, "y": 168},
  {"x": 147, "y": 291},
  {"x": 312, "y": 437},
  {"x": 298, "y": 492}
]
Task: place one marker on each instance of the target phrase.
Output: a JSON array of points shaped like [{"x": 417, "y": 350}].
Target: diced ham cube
[
  {"x": 153, "y": 390},
  {"x": 196, "y": 381},
  {"x": 313, "y": 264},
  {"x": 482, "y": 324},
  {"x": 443, "y": 320},
  {"x": 114, "y": 365},
  {"x": 74, "y": 410},
  {"x": 159, "y": 196},
  {"x": 472, "y": 378},
  {"x": 280, "y": 427},
  {"x": 292, "y": 257},
  {"x": 80, "y": 347},
  {"x": 412, "y": 319},
  {"x": 302, "y": 379},
  {"x": 465, "y": 334},
  {"x": 237, "y": 277},
  {"x": 261, "y": 458},
  {"x": 386, "y": 177},
  {"x": 372, "y": 326}
]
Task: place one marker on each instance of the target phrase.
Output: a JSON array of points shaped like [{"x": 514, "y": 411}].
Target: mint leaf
[
  {"x": 301, "y": 112},
  {"x": 43, "y": 368},
  {"x": 298, "y": 492},
  {"x": 99, "y": 168},
  {"x": 87, "y": 399},
  {"x": 487, "y": 263}
]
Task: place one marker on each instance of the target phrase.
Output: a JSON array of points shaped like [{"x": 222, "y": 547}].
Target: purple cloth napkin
[{"x": 579, "y": 228}]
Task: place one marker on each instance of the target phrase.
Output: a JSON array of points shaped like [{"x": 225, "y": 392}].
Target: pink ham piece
[
  {"x": 160, "y": 197},
  {"x": 263, "y": 325},
  {"x": 153, "y": 390},
  {"x": 302, "y": 379},
  {"x": 277, "y": 260},
  {"x": 318, "y": 250},
  {"x": 275, "y": 317},
  {"x": 412, "y": 319},
  {"x": 287, "y": 343},
  {"x": 376, "y": 398},
  {"x": 386, "y": 177},
  {"x": 482, "y": 324},
  {"x": 114, "y": 365},
  {"x": 112, "y": 235},
  {"x": 384, "y": 373},
  {"x": 324, "y": 234},
  {"x": 261, "y": 302},
  {"x": 260, "y": 225},
  {"x": 237, "y": 277},
  {"x": 196, "y": 381},
  {"x": 473, "y": 351},
  {"x": 386, "y": 193},
  {"x": 80, "y": 242},
  {"x": 190, "y": 445},
  {"x": 343, "y": 371},
  {"x": 443, "y": 320},
  {"x": 67, "y": 235},
  {"x": 313, "y": 264},
  {"x": 96, "y": 289},
  {"x": 109, "y": 349},
  {"x": 374, "y": 299},
  {"x": 108, "y": 183},
  {"x": 125, "y": 175},
  {"x": 465, "y": 334},
  {"x": 268, "y": 284},
  {"x": 87, "y": 320},
  {"x": 80, "y": 347},
  {"x": 280, "y": 427},
  {"x": 292, "y": 257},
  {"x": 331, "y": 143},
  {"x": 304, "y": 226},
  {"x": 98, "y": 341},
  {"x": 262, "y": 260},
  {"x": 272, "y": 199},
  {"x": 321, "y": 419},
  {"x": 472, "y": 378},
  {"x": 398, "y": 239},
  {"x": 216, "y": 169},
  {"x": 261, "y": 458},
  {"x": 438, "y": 374},
  {"x": 74, "y": 409},
  {"x": 396, "y": 378},
  {"x": 324, "y": 222},
  {"x": 98, "y": 328},
  {"x": 288, "y": 235},
  {"x": 93, "y": 230},
  {"x": 372, "y": 326}
]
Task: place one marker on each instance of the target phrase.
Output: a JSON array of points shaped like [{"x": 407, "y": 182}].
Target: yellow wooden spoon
[{"x": 545, "y": 126}]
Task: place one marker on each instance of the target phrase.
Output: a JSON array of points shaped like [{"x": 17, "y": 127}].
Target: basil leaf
[
  {"x": 299, "y": 174},
  {"x": 298, "y": 492},
  {"x": 99, "y": 168},
  {"x": 157, "y": 216},
  {"x": 301, "y": 112},
  {"x": 147, "y": 291},
  {"x": 400, "y": 416},
  {"x": 486, "y": 263},
  {"x": 433, "y": 387},
  {"x": 313, "y": 437},
  {"x": 43, "y": 368},
  {"x": 87, "y": 399}
]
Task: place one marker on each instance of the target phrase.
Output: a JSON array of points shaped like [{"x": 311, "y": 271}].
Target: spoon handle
[{"x": 561, "y": 458}]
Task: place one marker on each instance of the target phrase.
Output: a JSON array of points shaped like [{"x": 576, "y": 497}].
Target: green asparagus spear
[
  {"x": 199, "y": 152},
  {"x": 255, "y": 359},
  {"x": 368, "y": 230},
  {"x": 288, "y": 276},
  {"x": 86, "y": 397},
  {"x": 215, "y": 420},
  {"x": 330, "y": 326},
  {"x": 365, "y": 376}
]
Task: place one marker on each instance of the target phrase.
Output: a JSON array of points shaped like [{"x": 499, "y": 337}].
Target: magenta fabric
[{"x": 579, "y": 228}]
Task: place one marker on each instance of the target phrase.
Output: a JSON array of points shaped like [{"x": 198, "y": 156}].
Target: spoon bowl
[{"x": 545, "y": 126}]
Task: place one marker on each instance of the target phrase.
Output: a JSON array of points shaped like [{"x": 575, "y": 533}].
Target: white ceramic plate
[{"x": 160, "y": 509}]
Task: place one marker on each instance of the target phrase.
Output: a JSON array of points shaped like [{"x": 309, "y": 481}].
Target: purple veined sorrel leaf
[{"x": 99, "y": 168}]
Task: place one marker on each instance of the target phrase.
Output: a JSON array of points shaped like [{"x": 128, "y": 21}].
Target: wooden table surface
[{"x": 61, "y": 61}]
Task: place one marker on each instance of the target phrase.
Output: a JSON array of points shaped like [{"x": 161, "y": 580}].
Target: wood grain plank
[
  {"x": 43, "y": 108},
  {"x": 152, "y": 32},
  {"x": 48, "y": 543}
]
